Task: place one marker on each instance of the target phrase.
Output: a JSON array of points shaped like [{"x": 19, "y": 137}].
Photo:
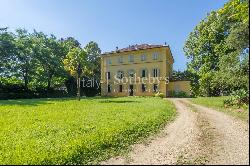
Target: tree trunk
[
  {"x": 25, "y": 77},
  {"x": 78, "y": 87},
  {"x": 79, "y": 70},
  {"x": 25, "y": 82},
  {"x": 49, "y": 81}
]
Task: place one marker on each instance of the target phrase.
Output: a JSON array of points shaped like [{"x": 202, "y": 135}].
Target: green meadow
[
  {"x": 66, "y": 131},
  {"x": 218, "y": 104}
]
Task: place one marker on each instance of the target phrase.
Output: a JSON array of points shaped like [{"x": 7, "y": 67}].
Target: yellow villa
[{"x": 139, "y": 70}]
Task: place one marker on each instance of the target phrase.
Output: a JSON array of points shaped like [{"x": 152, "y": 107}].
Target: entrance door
[{"x": 131, "y": 90}]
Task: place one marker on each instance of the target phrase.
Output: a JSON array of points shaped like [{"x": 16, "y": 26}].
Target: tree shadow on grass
[
  {"x": 32, "y": 102},
  {"x": 118, "y": 101}
]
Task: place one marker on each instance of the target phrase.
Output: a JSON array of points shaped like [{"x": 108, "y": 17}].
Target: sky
[{"x": 112, "y": 23}]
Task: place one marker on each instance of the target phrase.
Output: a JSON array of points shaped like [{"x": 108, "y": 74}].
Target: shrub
[
  {"x": 237, "y": 98},
  {"x": 180, "y": 94},
  {"x": 159, "y": 94}
]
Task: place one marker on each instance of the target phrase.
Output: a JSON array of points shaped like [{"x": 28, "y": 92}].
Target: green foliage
[
  {"x": 75, "y": 62},
  {"x": 218, "y": 103},
  {"x": 179, "y": 94},
  {"x": 217, "y": 50},
  {"x": 35, "y": 60},
  {"x": 238, "y": 98},
  {"x": 65, "y": 131},
  {"x": 94, "y": 59},
  {"x": 181, "y": 75}
]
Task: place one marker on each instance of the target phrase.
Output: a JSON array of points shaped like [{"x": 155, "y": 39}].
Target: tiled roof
[{"x": 136, "y": 47}]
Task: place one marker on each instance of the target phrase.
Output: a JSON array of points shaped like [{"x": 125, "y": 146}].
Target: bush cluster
[
  {"x": 159, "y": 94},
  {"x": 178, "y": 94},
  {"x": 237, "y": 98}
]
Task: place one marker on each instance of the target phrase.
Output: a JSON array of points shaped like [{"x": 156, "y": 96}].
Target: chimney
[
  {"x": 116, "y": 48},
  {"x": 165, "y": 43}
]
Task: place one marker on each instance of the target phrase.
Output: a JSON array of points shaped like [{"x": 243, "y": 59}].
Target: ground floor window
[
  {"x": 143, "y": 87},
  {"x": 155, "y": 87},
  {"x": 143, "y": 73},
  {"x": 108, "y": 75},
  {"x": 120, "y": 88},
  {"x": 109, "y": 88}
]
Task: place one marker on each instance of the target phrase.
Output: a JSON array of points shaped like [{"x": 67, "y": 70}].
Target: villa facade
[{"x": 139, "y": 70}]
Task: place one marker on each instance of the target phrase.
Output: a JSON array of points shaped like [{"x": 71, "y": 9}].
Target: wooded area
[
  {"x": 37, "y": 65},
  {"x": 218, "y": 51}
]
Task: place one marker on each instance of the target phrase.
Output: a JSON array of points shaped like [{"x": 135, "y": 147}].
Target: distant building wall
[{"x": 178, "y": 86}]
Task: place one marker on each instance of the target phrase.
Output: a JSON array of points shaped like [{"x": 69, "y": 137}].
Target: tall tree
[
  {"x": 217, "y": 49},
  {"x": 23, "y": 61},
  {"x": 7, "y": 48},
  {"x": 49, "y": 56},
  {"x": 75, "y": 62},
  {"x": 93, "y": 57}
]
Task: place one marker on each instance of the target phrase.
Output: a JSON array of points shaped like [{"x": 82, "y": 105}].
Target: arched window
[
  {"x": 144, "y": 73},
  {"x": 156, "y": 72},
  {"x": 131, "y": 73}
]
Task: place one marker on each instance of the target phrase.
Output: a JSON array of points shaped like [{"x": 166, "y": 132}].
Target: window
[
  {"x": 120, "y": 88},
  {"x": 156, "y": 72},
  {"x": 143, "y": 57},
  {"x": 143, "y": 73},
  {"x": 108, "y": 76},
  {"x": 120, "y": 60},
  {"x": 155, "y": 56},
  {"x": 143, "y": 87},
  {"x": 120, "y": 74},
  {"x": 131, "y": 73},
  {"x": 109, "y": 88},
  {"x": 108, "y": 62},
  {"x": 131, "y": 58},
  {"x": 155, "y": 87}
]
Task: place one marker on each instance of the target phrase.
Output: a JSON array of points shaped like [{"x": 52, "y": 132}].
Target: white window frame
[
  {"x": 155, "y": 56},
  {"x": 120, "y": 59},
  {"x": 131, "y": 58},
  {"x": 143, "y": 57},
  {"x": 130, "y": 73},
  {"x": 108, "y": 62}
]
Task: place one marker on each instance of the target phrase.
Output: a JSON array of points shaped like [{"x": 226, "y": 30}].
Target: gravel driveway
[{"x": 198, "y": 135}]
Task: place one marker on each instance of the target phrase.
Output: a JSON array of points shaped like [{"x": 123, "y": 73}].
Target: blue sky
[{"x": 112, "y": 23}]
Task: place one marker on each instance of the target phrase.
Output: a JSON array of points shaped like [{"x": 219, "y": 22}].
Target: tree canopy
[
  {"x": 40, "y": 61},
  {"x": 217, "y": 50}
]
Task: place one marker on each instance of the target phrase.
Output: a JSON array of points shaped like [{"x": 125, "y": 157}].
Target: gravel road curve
[{"x": 198, "y": 135}]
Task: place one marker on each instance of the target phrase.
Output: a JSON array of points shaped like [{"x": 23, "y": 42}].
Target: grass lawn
[
  {"x": 66, "y": 131},
  {"x": 217, "y": 103}
]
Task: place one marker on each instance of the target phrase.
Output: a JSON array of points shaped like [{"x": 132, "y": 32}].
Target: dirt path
[
  {"x": 231, "y": 138},
  {"x": 198, "y": 136}
]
